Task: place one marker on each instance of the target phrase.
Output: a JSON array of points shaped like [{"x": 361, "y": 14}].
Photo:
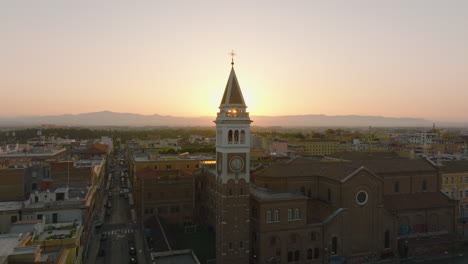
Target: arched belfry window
[
  {"x": 242, "y": 137},
  {"x": 236, "y": 137},
  {"x": 230, "y": 137}
]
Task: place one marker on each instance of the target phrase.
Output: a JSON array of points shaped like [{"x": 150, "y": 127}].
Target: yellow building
[
  {"x": 318, "y": 147},
  {"x": 155, "y": 161},
  {"x": 454, "y": 180}
]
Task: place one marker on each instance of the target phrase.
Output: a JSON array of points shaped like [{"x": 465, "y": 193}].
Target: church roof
[{"x": 232, "y": 94}]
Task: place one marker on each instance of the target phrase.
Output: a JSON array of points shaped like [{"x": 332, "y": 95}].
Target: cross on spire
[{"x": 232, "y": 54}]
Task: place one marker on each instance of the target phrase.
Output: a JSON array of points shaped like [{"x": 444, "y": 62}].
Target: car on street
[
  {"x": 98, "y": 223},
  {"x": 132, "y": 251}
]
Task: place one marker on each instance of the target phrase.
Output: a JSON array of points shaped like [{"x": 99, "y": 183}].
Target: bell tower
[{"x": 232, "y": 175}]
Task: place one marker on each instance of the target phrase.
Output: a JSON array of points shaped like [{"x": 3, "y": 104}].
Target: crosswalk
[{"x": 119, "y": 232}]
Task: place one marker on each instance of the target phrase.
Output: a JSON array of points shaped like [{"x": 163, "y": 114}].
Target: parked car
[
  {"x": 98, "y": 223},
  {"x": 132, "y": 250},
  {"x": 103, "y": 237}
]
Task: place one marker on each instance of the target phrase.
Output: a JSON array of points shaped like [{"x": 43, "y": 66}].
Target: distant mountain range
[{"x": 107, "y": 118}]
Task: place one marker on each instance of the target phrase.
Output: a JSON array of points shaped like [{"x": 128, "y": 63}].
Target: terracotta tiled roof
[
  {"x": 454, "y": 166},
  {"x": 96, "y": 148},
  {"x": 334, "y": 170},
  {"x": 417, "y": 201},
  {"x": 398, "y": 165},
  {"x": 366, "y": 155},
  {"x": 148, "y": 173},
  {"x": 318, "y": 211}
]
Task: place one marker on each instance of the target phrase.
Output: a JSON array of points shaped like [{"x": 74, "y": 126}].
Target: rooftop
[
  {"x": 416, "y": 200},
  {"x": 454, "y": 166},
  {"x": 10, "y": 206},
  {"x": 265, "y": 195},
  {"x": 9, "y": 245},
  {"x": 185, "y": 256},
  {"x": 140, "y": 156}
]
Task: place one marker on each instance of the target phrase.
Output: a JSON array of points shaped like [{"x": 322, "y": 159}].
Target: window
[
  {"x": 289, "y": 214},
  {"x": 446, "y": 180},
  {"x": 453, "y": 180},
  {"x": 313, "y": 236},
  {"x": 242, "y": 137},
  {"x": 14, "y": 218},
  {"x": 397, "y": 187},
  {"x": 230, "y": 245},
  {"x": 39, "y": 217},
  {"x": 334, "y": 247},
  {"x": 272, "y": 241},
  {"x": 276, "y": 216},
  {"x": 155, "y": 167},
  {"x": 290, "y": 256},
  {"x": 424, "y": 185},
  {"x": 168, "y": 167},
  {"x": 230, "y": 192},
  {"x": 310, "y": 253},
  {"x": 188, "y": 166},
  {"x": 297, "y": 213},
  {"x": 461, "y": 194},
  {"x": 254, "y": 211},
  {"x": 268, "y": 216},
  {"x": 241, "y": 244},
  {"x": 361, "y": 197},
  {"x": 387, "y": 239},
  {"x": 309, "y": 194},
  {"x": 303, "y": 190},
  {"x": 241, "y": 191},
  {"x": 230, "y": 137},
  {"x": 316, "y": 253},
  {"x": 297, "y": 255},
  {"x": 34, "y": 186}
]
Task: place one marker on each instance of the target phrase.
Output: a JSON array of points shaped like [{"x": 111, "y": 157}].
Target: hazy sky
[{"x": 390, "y": 58}]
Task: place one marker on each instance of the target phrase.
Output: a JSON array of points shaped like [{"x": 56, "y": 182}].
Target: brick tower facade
[{"x": 232, "y": 176}]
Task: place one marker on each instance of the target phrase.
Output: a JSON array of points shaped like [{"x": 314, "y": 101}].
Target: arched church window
[{"x": 236, "y": 137}]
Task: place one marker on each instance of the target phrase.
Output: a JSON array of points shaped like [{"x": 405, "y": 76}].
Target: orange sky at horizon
[{"x": 393, "y": 59}]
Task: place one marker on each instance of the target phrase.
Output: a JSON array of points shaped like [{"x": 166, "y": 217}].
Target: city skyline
[{"x": 393, "y": 59}]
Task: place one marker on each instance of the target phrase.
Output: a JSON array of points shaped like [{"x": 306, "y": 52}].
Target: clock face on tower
[{"x": 236, "y": 164}]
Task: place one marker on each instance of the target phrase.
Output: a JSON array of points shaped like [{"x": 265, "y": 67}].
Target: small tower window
[
  {"x": 236, "y": 137},
  {"x": 242, "y": 137},
  {"x": 230, "y": 137}
]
